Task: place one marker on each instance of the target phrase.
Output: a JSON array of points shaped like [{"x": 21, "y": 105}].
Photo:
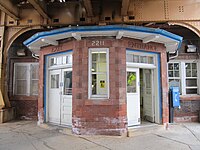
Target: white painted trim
[
  {"x": 141, "y": 65},
  {"x": 150, "y": 38},
  {"x": 154, "y": 69}
]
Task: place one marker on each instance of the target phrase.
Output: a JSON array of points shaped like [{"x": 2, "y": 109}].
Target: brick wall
[
  {"x": 105, "y": 116},
  {"x": 189, "y": 111},
  {"x": 25, "y": 109}
]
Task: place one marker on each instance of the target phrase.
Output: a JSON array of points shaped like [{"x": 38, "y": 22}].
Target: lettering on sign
[
  {"x": 56, "y": 49},
  {"x": 141, "y": 46},
  {"x": 98, "y": 43}
]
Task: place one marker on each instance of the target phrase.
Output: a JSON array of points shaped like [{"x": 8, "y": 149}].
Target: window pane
[
  {"x": 94, "y": 84},
  {"x": 170, "y": 66},
  {"x": 94, "y": 67},
  {"x": 194, "y": 73},
  {"x": 101, "y": 67},
  {"x": 94, "y": 56},
  {"x": 170, "y": 73},
  {"x": 55, "y": 81},
  {"x": 67, "y": 83},
  {"x": 191, "y": 82},
  {"x": 34, "y": 72},
  {"x": 150, "y": 60},
  {"x": 21, "y": 87},
  {"x": 173, "y": 82},
  {"x": 129, "y": 58},
  {"x": 21, "y": 72},
  {"x": 187, "y": 66},
  {"x": 69, "y": 59},
  {"x": 143, "y": 59},
  {"x": 176, "y": 74},
  {"x": 34, "y": 87},
  {"x": 136, "y": 59},
  {"x": 188, "y": 72},
  {"x": 176, "y": 66},
  {"x": 191, "y": 91},
  {"x": 52, "y": 61},
  {"x": 131, "y": 82},
  {"x": 102, "y": 57},
  {"x": 99, "y": 85}
]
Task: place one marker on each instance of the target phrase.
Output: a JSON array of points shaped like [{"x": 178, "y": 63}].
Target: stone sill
[{"x": 190, "y": 98}]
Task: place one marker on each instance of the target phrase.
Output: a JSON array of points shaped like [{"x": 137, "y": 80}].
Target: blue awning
[{"x": 170, "y": 40}]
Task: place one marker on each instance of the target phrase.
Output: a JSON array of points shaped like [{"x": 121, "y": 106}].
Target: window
[
  {"x": 26, "y": 79},
  {"x": 183, "y": 75},
  {"x": 135, "y": 58},
  {"x": 174, "y": 75},
  {"x": 98, "y": 73},
  {"x": 60, "y": 60},
  {"x": 191, "y": 78}
]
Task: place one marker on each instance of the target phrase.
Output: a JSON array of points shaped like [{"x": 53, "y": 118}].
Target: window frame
[
  {"x": 90, "y": 95},
  {"x": 29, "y": 78},
  {"x": 183, "y": 77}
]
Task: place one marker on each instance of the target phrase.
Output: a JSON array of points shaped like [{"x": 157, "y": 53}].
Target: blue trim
[
  {"x": 44, "y": 92},
  {"x": 40, "y": 35},
  {"x": 45, "y": 78},
  {"x": 159, "y": 77},
  {"x": 159, "y": 87}
]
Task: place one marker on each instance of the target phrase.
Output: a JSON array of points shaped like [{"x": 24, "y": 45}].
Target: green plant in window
[{"x": 131, "y": 78}]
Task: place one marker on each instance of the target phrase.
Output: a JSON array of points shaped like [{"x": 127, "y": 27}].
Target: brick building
[{"x": 103, "y": 79}]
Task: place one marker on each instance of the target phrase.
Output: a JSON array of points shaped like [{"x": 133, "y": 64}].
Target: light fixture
[
  {"x": 191, "y": 49},
  {"x": 21, "y": 52}
]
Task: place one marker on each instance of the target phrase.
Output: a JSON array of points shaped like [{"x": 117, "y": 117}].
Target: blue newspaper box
[{"x": 175, "y": 96}]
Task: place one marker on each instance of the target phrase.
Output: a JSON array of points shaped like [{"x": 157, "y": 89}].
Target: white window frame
[
  {"x": 28, "y": 92},
  {"x": 90, "y": 96},
  {"x": 183, "y": 77}
]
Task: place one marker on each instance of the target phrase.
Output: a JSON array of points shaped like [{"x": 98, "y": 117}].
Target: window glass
[
  {"x": 174, "y": 75},
  {"x": 26, "y": 79},
  {"x": 55, "y": 81},
  {"x": 131, "y": 82},
  {"x": 67, "y": 83},
  {"x": 187, "y": 81},
  {"x": 98, "y": 71},
  {"x": 134, "y": 58},
  {"x": 60, "y": 60}
]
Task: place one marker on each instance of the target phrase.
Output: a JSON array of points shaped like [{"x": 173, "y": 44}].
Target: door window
[
  {"x": 67, "y": 83},
  {"x": 55, "y": 81},
  {"x": 131, "y": 82}
]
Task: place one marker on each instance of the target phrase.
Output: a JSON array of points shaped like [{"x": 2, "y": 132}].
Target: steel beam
[
  {"x": 124, "y": 8},
  {"x": 39, "y": 9},
  {"x": 88, "y": 7},
  {"x": 10, "y": 9}
]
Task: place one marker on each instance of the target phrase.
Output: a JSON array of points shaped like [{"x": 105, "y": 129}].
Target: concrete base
[{"x": 7, "y": 114}]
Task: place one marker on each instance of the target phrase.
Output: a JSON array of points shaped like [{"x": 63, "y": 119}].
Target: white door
[
  {"x": 66, "y": 98},
  {"x": 133, "y": 96},
  {"x": 148, "y": 105},
  {"x": 54, "y": 96}
]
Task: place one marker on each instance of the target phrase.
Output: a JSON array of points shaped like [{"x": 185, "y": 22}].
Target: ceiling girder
[
  {"x": 88, "y": 7},
  {"x": 10, "y": 9},
  {"x": 124, "y": 9},
  {"x": 39, "y": 9}
]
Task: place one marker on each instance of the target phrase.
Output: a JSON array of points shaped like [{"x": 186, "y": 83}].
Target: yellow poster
[{"x": 102, "y": 84}]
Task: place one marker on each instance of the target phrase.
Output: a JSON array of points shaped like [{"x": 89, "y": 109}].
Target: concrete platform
[{"x": 26, "y": 135}]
